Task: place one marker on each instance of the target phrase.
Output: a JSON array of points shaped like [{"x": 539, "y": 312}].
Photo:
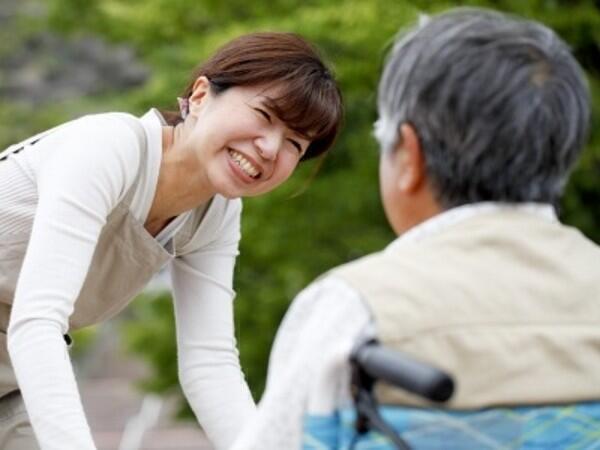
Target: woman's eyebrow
[{"x": 265, "y": 101}]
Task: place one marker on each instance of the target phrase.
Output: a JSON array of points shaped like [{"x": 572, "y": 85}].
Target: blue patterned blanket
[{"x": 575, "y": 427}]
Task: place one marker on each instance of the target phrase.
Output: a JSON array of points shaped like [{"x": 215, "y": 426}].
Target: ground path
[{"x": 111, "y": 399}]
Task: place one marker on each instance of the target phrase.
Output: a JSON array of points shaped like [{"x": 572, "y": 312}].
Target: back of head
[{"x": 500, "y": 106}]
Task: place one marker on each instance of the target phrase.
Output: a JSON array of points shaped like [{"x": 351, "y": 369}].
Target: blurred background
[{"x": 61, "y": 59}]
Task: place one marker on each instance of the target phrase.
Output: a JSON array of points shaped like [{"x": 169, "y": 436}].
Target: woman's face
[{"x": 244, "y": 148}]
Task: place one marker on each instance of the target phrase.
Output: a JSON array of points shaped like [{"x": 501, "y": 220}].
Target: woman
[{"x": 90, "y": 210}]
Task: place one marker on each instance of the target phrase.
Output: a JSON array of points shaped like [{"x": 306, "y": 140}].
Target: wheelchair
[{"x": 370, "y": 426}]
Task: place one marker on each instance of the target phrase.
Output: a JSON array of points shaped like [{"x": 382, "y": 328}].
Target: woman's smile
[{"x": 245, "y": 164}]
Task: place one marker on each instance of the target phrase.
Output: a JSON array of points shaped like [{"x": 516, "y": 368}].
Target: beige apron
[
  {"x": 125, "y": 259},
  {"x": 16, "y": 432}
]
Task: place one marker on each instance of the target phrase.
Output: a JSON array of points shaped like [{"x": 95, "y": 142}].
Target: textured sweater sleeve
[
  {"x": 308, "y": 367},
  {"x": 209, "y": 368},
  {"x": 90, "y": 165}
]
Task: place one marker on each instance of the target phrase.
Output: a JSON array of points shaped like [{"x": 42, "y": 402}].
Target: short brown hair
[{"x": 310, "y": 102}]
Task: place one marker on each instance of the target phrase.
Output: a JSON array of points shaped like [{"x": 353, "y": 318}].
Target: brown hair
[{"x": 310, "y": 102}]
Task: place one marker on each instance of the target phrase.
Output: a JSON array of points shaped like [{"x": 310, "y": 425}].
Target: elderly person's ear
[{"x": 408, "y": 160}]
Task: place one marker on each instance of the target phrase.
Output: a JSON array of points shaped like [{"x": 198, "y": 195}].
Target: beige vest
[
  {"x": 507, "y": 302},
  {"x": 125, "y": 259}
]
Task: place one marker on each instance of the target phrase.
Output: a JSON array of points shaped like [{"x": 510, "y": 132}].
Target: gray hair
[{"x": 500, "y": 106}]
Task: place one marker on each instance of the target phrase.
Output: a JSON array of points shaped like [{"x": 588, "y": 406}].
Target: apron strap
[{"x": 16, "y": 148}]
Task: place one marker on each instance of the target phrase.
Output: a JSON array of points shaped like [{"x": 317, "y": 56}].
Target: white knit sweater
[{"x": 61, "y": 190}]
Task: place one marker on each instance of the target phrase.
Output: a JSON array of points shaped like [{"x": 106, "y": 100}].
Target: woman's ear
[
  {"x": 200, "y": 91},
  {"x": 410, "y": 163}
]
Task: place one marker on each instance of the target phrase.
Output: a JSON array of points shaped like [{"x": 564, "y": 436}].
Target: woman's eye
[
  {"x": 296, "y": 145},
  {"x": 265, "y": 114}
]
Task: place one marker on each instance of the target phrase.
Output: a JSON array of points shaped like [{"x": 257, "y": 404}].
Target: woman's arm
[
  {"x": 209, "y": 368},
  {"x": 90, "y": 165}
]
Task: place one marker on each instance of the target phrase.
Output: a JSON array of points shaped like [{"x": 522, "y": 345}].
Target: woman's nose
[{"x": 268, "y": 145}]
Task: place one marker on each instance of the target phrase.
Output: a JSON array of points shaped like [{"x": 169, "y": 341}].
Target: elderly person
[{"x": 481, "y": 118}]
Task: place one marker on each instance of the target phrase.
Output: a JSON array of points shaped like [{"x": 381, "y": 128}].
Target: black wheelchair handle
[{"x": 403, "y": 371}]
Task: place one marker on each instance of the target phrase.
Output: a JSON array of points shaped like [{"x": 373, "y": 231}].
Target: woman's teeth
[{"x": 244, "y": 164}]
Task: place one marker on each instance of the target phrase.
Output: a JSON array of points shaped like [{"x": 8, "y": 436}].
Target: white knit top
[{"x": 61, "y": 190}]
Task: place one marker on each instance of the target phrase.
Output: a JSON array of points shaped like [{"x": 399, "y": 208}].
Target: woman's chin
[
  {"x": 231, "y": 188},
  {"x": 231, "y": 196}
]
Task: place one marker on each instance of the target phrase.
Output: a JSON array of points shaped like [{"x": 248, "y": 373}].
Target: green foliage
[
  {"x": 289, "y": 239},
  {"x": 152, "y": 334},
  {"x": 83, "y": 340}
]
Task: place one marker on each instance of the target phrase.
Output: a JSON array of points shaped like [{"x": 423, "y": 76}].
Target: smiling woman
[
  {"x": 231, "y": 143},
  {"x": 307, "y": 99},
  {"x": 262, "y": 103},
  {"x": 90, "y": 210}
]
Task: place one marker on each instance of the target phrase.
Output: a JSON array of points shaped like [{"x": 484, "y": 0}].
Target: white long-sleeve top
[
  {"x": 309, "y": 370},
  {"x": 61, "y": 190}
]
